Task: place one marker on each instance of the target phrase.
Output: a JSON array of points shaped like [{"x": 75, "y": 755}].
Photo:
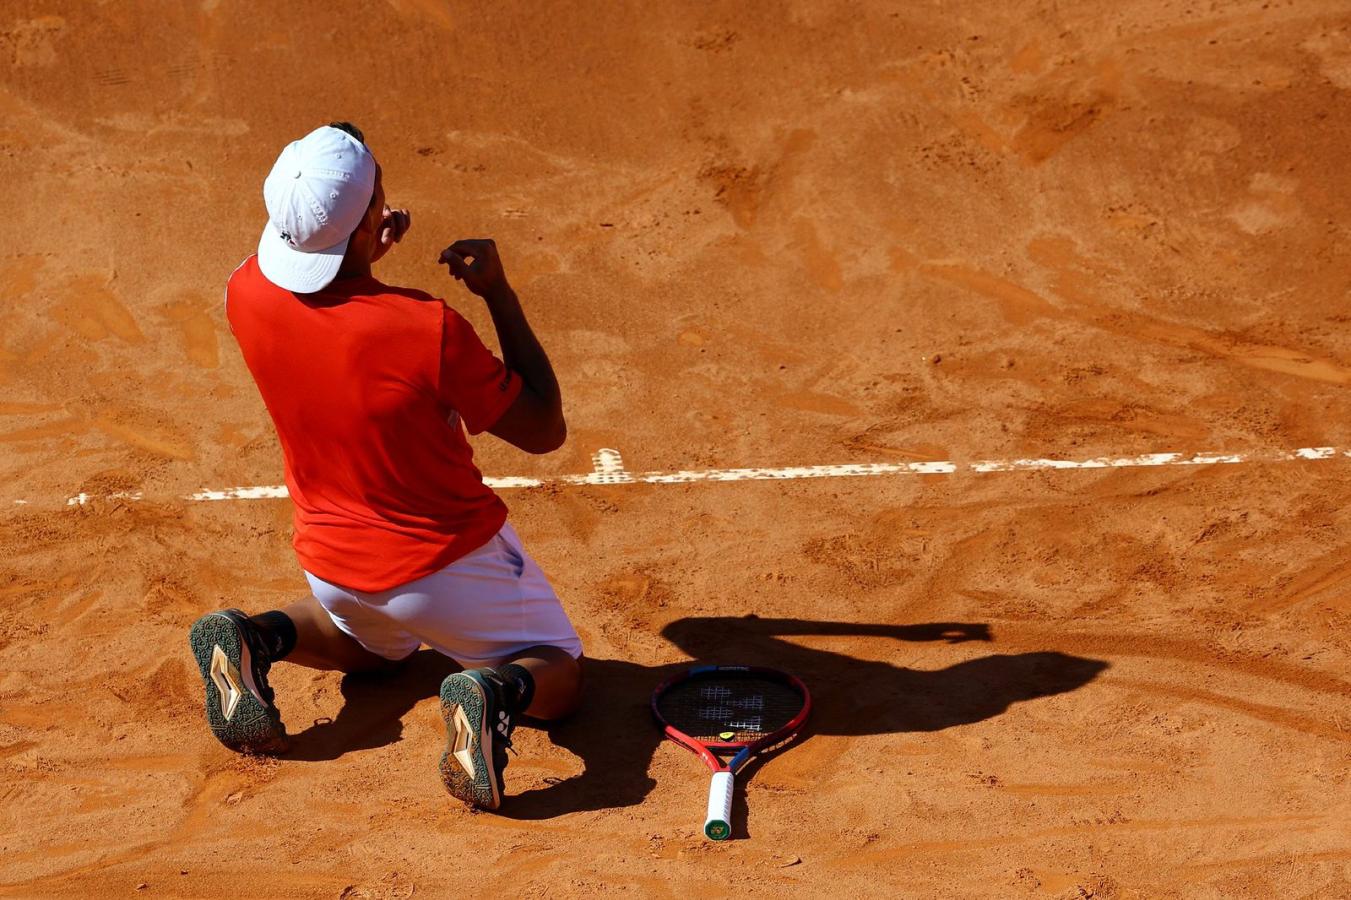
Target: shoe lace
[
  {"x": 262, "y": 664},
  {"x": 502, "y": 729}
]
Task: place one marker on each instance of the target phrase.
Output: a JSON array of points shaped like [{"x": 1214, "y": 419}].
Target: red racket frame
[{"x": 743, "y": 750}]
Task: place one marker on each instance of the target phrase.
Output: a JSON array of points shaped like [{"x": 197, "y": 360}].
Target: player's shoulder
[
  {"x": 241, "y": 285},
  {"x": 396, "y": 311},
  {"x": 246, "y": 270},
  {"x": 455, "y": 328},
  {"x": 397, "y": 293}
]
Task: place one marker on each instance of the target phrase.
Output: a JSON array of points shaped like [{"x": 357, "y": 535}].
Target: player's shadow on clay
[
  {"x": 373, "y": 708},
  {"x": 615, "y": 737}
]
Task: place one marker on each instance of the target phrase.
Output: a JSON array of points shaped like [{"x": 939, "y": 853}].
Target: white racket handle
[{"x": 718, "y": 824}]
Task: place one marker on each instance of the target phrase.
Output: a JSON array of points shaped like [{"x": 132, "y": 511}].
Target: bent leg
[
  {"x": 235, "y": 652},
  {"x": 320, "y": 644},
  {"x": 492, "y": 608},
  {"x": 558, "y": 681}
]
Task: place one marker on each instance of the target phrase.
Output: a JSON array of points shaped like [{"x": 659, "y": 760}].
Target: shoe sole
[
  {"x": 466, "y": 769},
  {"x": 238, "y": 718}
]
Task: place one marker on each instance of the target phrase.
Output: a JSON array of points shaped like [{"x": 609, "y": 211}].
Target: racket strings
[{"x": 726, "y": 709}]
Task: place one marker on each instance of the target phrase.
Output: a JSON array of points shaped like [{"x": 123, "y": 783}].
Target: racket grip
[{"x": 718, "y": 824}]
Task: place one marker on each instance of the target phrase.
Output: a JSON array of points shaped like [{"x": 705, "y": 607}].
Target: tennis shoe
[
  {"x": 232, "y": 654},
  {"x": 479, "y": 722}
]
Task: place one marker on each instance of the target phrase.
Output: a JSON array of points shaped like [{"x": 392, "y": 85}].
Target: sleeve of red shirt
[{"x": 474, "y": 382}]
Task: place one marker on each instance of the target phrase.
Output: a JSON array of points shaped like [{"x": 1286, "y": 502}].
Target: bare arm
[{"x": 534, "y": 422}]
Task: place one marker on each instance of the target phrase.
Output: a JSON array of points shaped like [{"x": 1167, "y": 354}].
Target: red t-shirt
[{"x": 367, "y": 385}]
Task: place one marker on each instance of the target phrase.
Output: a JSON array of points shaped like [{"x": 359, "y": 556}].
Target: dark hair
[{"x": 350, "y": 129}]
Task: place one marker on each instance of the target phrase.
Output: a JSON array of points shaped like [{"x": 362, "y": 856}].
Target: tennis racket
[{"x": 743, "y": 711}]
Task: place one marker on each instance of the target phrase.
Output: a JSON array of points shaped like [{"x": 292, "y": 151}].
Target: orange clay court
[{"x": 924, "y": 240}]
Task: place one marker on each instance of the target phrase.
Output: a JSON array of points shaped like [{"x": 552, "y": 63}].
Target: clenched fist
[{"x": 475, "y": 262}]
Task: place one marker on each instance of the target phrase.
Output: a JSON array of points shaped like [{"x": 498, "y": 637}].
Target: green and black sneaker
[
  {"x": 477, "y": 716},
  {"x": 233, "y": 658}
]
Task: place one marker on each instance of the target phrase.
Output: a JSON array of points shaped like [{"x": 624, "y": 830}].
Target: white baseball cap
[{"x": 316, "y": 195}]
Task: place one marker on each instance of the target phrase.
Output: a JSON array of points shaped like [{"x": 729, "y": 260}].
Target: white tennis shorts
[{"x": 480, "y": 610}]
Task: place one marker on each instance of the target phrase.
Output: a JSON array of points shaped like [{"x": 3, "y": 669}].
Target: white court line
[{"x": 608, "y": 468}]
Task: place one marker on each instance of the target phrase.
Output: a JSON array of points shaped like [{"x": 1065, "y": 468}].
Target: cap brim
[{"x": 295, "y": 270}]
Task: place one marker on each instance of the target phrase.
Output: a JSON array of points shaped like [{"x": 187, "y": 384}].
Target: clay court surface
[{"x": 749, "y": 235}]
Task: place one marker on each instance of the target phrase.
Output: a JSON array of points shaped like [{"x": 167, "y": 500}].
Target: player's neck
[{"x": 354, "y": 265}]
